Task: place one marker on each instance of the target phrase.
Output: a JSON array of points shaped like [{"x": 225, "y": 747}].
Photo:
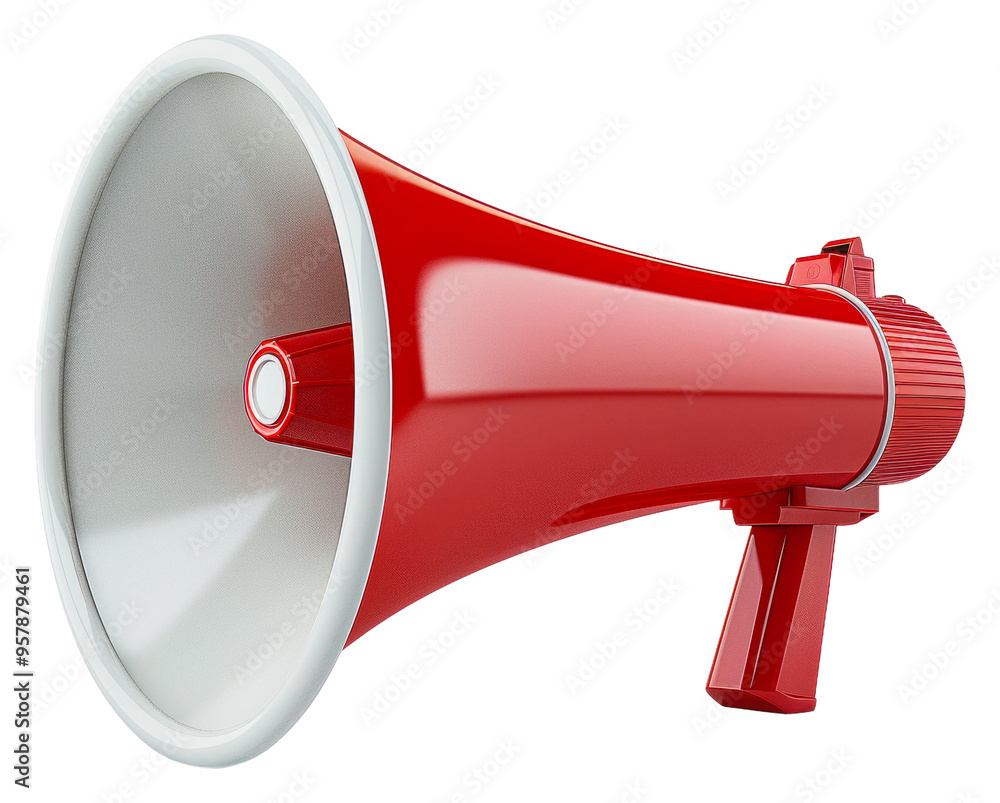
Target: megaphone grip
[{"x": 769, "y": 650}]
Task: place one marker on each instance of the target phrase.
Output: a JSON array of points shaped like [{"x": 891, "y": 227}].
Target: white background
[{"x": 643, "y": 727}]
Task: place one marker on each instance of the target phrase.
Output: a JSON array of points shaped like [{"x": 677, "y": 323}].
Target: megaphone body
[
  {"x": 544, "y": 385},
  {"x": 486, "y": 386}
]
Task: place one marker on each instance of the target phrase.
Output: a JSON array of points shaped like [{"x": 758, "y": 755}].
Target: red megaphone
[
  {"x": 543, "y": 385},
  {"x": 439, "y": 385}
]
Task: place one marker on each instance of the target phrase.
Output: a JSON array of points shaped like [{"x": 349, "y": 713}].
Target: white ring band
[{"x": 890, "y": 377}]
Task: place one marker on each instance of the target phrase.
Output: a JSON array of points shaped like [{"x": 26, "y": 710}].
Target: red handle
[{"x": 768, "y": 654}]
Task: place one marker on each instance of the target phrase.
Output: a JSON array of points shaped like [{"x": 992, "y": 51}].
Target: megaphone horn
[{"x": 378, "y": 385}]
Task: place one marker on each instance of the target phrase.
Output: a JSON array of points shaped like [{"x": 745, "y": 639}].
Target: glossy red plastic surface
[
  {"x": 319, "y": 401},
  {"x": 769, "y": 650},
  {"x": 544, "y": 385},
  {"x": 930, "y": 392},
  {"x": 928, "y": 379}
]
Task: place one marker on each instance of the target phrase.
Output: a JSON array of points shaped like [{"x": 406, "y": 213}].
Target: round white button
[{"x": 267, "y": 389}]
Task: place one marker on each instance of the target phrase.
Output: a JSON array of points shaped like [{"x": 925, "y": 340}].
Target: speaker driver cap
[{"x": 268, "y": 391}]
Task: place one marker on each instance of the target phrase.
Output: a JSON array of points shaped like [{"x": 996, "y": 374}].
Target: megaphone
[{"x": 295, "y": 386}]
